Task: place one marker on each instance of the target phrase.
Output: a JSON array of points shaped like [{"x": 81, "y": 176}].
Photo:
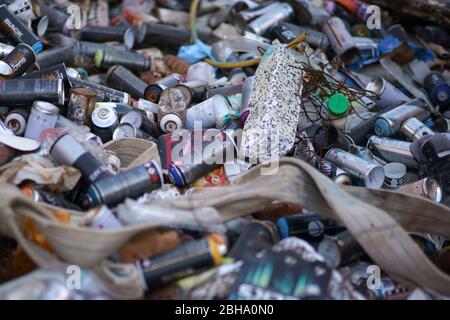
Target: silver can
[
  {"x": 43, "y": 116},
  {"x": 340, "y": 39},
  {"x": 428, "y": 188},
  {"x": 389, "y": 123},
  {"x": 392, "y": 150},
  {"x": 414, "y": 129},
  {"x": 213, "y": 111},
  {"x": 395, "y": 175},
  {"x": 387, "y": 94},
  {"x": 263, "y": 23},
  {"x": 366, "y": 173},
  {"x": 127, "y": 130}
]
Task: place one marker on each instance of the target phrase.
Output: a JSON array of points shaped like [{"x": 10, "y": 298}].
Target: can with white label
[{"x": 43, "y": 116}]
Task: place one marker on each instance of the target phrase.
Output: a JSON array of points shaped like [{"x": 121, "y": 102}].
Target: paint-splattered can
[{"x": 81, "y": 104}]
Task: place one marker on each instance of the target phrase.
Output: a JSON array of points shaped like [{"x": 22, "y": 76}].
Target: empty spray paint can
[
  {"x": 21, "y": 92},
  {"x": 68, "y": 151},
  {"x": 263, "y": 23},
  {"x": 394, "y": 175},
  {"x": 16, "y": 120},
  {"x": 104, "y": 94},
  {"x": 214, "y": 111},
  {"x": 54, "y": 72},
  {"x": 428, "y": 188},
  {"x": 106, "y": 33},
  {"x": 127, "y": 130},
  {"x": 387, "y": 94},
  {"x": 414, "y": 129},
  {"x": 366, "y": 173},
  {"x": 17, "y": 62},
  {"x": 254, "y": 238},
  {"x": 389, "y": 123},
  {"x": 43, "y": 116},
  {"x": 81, "y": 104},
  {"x": 196, "y": 90},
  {"x": 282, "y": 33},
  {"x": 438, "y": 89},
  {"x": 185, "y": 260},
  {"x": 53, "y": 56},
  {"x": 308, "y": 226},
  {"x": 139, "y": 120},
  {"x": 392, "y": 150},
  {"x": 224, "y": 90},
  {"x": 153, "y": 91},
  {"x": 120, "y": 78},
  {"x": 333, "y": 172},
  {"x": 340, "y": 39},
  {"x": 315, "y": 38},
  {"x": 132, "y": 60},
  {"x": 104, "y": 120},
  {"x": 340, "y": 249},
  {"x": 247, "y": 88},
  {"x": 128, "y": 184},
  {"x": 12, "y": 28},
  {"x": 89, "y": 49},
  {"x": 242, "y": 18},
  {"x": 203, "y": 161},
  {"x": 171, "y": 110}
]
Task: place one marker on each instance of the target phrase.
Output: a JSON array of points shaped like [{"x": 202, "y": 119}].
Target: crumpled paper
[{"x": 41, "y": 171}]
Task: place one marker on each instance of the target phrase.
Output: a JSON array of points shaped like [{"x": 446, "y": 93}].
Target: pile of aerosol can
[{"x": 107, "y": 106}]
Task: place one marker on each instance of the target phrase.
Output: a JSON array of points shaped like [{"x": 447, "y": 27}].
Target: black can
[
  {"x": 185, "y": 260},
  {"x": 106, "y": 33},
  {"x": 196, "y": 90},
  {"x": 256, "y": 236},
  {"x": 89, "y": 49},
  {"x": 54, "y": 56},
  {"x": 104, "y": 120},
  {"x": 17, "y": 62},
  {"x": 282, "y": 33},
  {"x": 120, "y": 78},
  {"x": 311, "y": 227},
  {"x": 104, "y": 94},
  {"x": 68, "y": 151},
  {"x": 23, "y": 92},
  {"x": 14, "y": 29},
  {"x": 129, "y": 184},
  {"x": 134, "y": 61},
  {"x": 54, "y": 72}
]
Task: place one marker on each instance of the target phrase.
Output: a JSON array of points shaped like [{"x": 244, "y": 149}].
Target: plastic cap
[
  {"x": 338, "y": 104},
  {"x": 382, "y": 128},
  {"x": 170, "y": 122}
]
